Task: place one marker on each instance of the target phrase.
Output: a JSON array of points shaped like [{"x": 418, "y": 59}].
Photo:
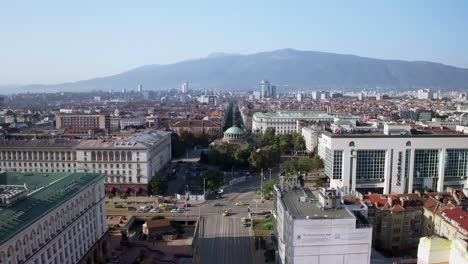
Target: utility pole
[
  {"x": 270, "y": 173},
  {"x": 261, "y": 184}
]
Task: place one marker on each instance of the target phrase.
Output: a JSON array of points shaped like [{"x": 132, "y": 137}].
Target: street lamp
[{"x": 270, "y": 173}]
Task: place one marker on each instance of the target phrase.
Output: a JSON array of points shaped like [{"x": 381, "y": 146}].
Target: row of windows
[
  {"x": 37, "y": 155},
  {"x": 371, "y": 163}
]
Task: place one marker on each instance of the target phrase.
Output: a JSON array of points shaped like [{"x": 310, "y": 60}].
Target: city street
[{"x": 223, "y": 239}]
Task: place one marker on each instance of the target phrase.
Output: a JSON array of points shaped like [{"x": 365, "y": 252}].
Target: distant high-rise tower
[
  {"x": 185, "y": 87},
  {"x": 124, "y": 90},
  {"x": 140, "y": 88},
  {"x": 273, "y": 91},
  {"x": 265, "y": 89}
]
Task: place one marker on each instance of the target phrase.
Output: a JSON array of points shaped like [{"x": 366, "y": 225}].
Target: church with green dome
[{"x": 234, "y": 135}]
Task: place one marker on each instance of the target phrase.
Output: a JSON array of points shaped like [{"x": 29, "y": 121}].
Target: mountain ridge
[{"x": 289, "y": 67}]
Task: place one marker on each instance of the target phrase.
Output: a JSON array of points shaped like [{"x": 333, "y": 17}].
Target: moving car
[
  {"x": 245, "y": 221},
  {"x": 177, "y": 210},
  {"x": 240, "y": 204},
  {"x": 218, "y": 204},
  {"x": 226, "y": 212}
]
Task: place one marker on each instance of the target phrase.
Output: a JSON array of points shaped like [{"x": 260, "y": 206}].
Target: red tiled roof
[
  {"x": 196, "y": 123},
  {"x": 459, "y": 216}
]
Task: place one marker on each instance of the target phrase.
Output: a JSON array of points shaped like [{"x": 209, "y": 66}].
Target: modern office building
[
  {"x": 291, "y": 121},
  {"x": 267, "y": 90},
  {"x": 399, "y": 159},
  {"x": 82, "y": 121},
  {"x": 129, "y": 163},
  {"x": 185, "y": 87},
  {"x": 319, "y": 230},
  {"x": 52, "y": 218}
]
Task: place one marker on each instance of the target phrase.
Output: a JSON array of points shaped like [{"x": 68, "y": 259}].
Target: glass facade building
[
  {"x": 334, "y": 163},
  {"x": 426, "y": 163},
  {"x": 456, "y": 167},
  {"x": 370, "y": 164}
]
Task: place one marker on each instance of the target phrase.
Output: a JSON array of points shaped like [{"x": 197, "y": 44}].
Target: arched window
[
  {"x": 129, "y": 156},
  {"x": 408, "y": 143},
  {"x": 352, "y": 144},
  {"x": 93, "y": 155}
]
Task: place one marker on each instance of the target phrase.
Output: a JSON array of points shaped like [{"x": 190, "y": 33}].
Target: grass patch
[{"x": 263, "y": 227}]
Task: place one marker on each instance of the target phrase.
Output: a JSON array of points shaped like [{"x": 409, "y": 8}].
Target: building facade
[
  {"x": 401, "y": 162},
  {"x": 128, "y": 162},
  {"x": 82, "y": 121},
  {"x": 286, "y": 121},
  {"x": 320, "y": 232},
  {"x": 60, "y": 220}
]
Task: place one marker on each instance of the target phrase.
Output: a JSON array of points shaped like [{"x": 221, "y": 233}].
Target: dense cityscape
[{"x": 258, "y": 176}]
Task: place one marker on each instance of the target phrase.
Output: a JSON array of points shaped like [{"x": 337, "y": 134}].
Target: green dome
[{"x": 234, "y": 130}]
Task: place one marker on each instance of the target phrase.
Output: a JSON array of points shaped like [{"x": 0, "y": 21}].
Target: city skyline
[{"x": 99, "y": 39}]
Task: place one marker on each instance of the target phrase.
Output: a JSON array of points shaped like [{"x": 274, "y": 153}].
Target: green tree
[
  {"x": 242, "y": 154},
  {"x": 158, "y": 186},
  {"x": 285, "y": 142},
  {"x": 267, "y": 188},
  {"x": 214, "y": 180},
  {"x": 256, "y": 160},
  {"x": 110, "y": 195},
  {"x": 271, "y": 155},
  {"x": 124, "y": 196},
  {"x": 304, "y": 164},
  {"x": 317, "y": 163},
  {"x": 299, "y": 142},
  {"x": 268, "y": 137},
  {"x": 289, "y": 166}
]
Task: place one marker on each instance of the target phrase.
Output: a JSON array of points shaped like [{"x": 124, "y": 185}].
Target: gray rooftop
[{"x": 298, "y": 209}]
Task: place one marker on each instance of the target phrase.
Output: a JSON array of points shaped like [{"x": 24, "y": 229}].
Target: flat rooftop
[
  {"x": 300, "y": 210},
  {"x": 415, "y": 133},
  {"x": 46, "y": 191}
]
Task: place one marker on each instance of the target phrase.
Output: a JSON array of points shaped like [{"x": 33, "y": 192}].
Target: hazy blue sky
[{"x": 56, "y": 41}]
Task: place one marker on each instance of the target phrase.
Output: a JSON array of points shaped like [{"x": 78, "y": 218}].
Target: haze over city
[{"x": 51, "y": 42}]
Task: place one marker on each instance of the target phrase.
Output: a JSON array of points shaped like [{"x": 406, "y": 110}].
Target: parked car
[
  {"x": 218, "y": 204},
  {"x": 240, "y": 204},
  {"x": 177, "y": 210},
  {"x": 155, "y": 210}
]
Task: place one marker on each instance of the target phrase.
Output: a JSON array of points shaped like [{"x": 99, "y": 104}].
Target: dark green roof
[
  {"x": 47, "y": 191},
  {"x": 234, "y": 130}
]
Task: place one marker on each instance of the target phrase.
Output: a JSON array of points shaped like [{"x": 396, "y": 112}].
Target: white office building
[
  {"x": 319, "y": 230},
  {"x": 424, "y": 94},
  {"x": 61, "y": 218},
  {"x": 289, "y": 121},
  {"x": 398, "y": 159}
]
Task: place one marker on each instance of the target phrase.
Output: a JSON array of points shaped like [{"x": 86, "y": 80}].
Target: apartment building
[
  {"x": 397, "y": 220},
  {"x": 129, "y": 163},
  {"x": 397, "y": 159},
  {"x": 83, "y": 121},
  {"x": 319, "y": 230},
  {"x": 53, "y": 218}
]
